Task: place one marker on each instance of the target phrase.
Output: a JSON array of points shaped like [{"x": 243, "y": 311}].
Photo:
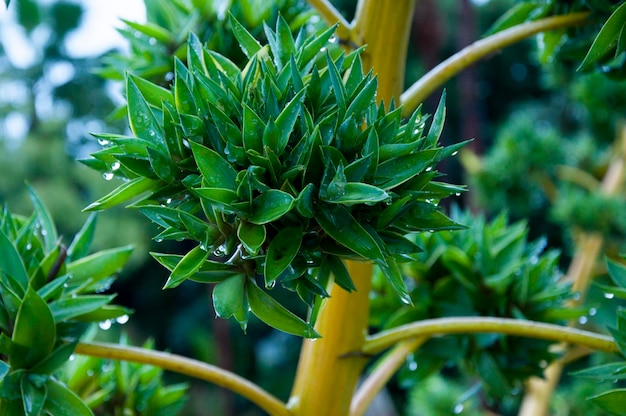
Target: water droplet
[
  {"x": 103, "y": 142},
  {"x": 458, "y": 194},
  {"x": 458, "y": 408},
  {"x": 543, "y": 363},
  {"x": 413, "y": 365},
  {"x": 105, "y": 325},
  {"x": 44, "y": 231},
  {"x": 72, "y": 357},
  {"x": 158, "y": 239},
  {"x": 29, "y": 246},
  {"x": 405, "y": 300},
  {"x": 90, "y": 373},
  {"x": 576, "y": 296},
  {"x": 583, "y": 320},
  {"x": 65, "y": 285},
  {"x": 456, "y": 152},
  {"x": 323, "y": 49},
  {"x": 534, "y": 260},
  {"x": 515, "y": 391},
  {"x": 428, "y": 169},
  {"x": 152, "y": 41},
  {"x": 332, "y": 39},
  {"x": 122, "y": 319},
  {"x": 108, "y": 176},
  {"x": 168, "y": 201},
  {"x": 593, "y": 311},
  {"x": 271, "y": 284},
  {"x": 115, "y": 165},
  {"x": 609, "y": 295}
]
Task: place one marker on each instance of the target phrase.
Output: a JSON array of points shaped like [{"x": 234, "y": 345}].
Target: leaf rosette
[{"x": 278, "y": 170}]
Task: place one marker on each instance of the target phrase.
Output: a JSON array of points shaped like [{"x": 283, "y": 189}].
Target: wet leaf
[
  {"x": 282, "y": 250},
  {"x": 34, "y": 333},
  {"x": 123, "y": 193},
  {"x": 270, "y": 206},
  {"x": 606, "y": 40},
  {"x": 217, "y": 172},
  {"x": 229, "y": 296},
  {"x": 82, "y": 240},
  {"x": 48, "y": 229},
  {"x": 11, "y": 263},
  {"x": 33, "y": 397},
  {"x": 611, "y": 401},
  {"x": 274, "y": 314},
  {"x": 98, "y": 266},
  {"x": 252, "y": 236},
  {"x": 248, "y": 44},
  {"x": 63, "y": 402},
  {"x": 74, "y": 307},
  {"x": 189, "y": 265}
]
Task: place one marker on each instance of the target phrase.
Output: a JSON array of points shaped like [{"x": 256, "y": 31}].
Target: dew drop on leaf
[
  {"x": 103, "y": 142},
  {"x": 115, "y": 165},
  {"x": 122, "y": 319},
  {"x": 105, "y": 325},
  {"x": 108, "y": 176},
  {"x": 583, "y": 320},
  {"x": 458, "y": 408},
  {"x": 609, "y": 295},
  {"x": 592, "y": 311}
]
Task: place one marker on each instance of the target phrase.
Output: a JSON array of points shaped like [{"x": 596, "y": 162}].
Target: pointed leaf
[
  {"x": 142, "y": 121},
  {"x": 217, "y": 172},
  {"x": 617, "y": 271},
  {"x": 274, "y": 314},
  {"x": 73, "y": 307},
  {"x": 248, "y": 44},
  {"x": 189, "y": 265},
  {"x": 34, "y": 333},
  {"x": 339, "y": 224},
  {"x": 270, "y": 206},
  {"x": 606, "y": 40},
  {"x": 123, "y": 193},
  {"x": 82, "y": 240},
  {"x": 287, "y": 119},
  {"x": 360, "y": 193},
  {"x": 33, "y": 397},
  {"x": 63, "y": 402},
  {"x": 11, "y": 262},
  {"x": 98, "y": 266},
  {"x": 282, "y": 250},
  {"x": 228, "y": 296},
  {"x": 48, "y": 229},
  {"x": 437, "y": 125},
  {"x": 252, "y": 236},
  {"x": 611, "y": 401}
]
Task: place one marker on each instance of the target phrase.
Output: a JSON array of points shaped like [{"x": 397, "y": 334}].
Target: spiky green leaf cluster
[
  {"x": 48, "y": 295},
  {"x": 490, "y": 269},
  {"x": 612, "y": 401},
  {"x": 277, "y": 170},
  {"x": 113, "y": 387}
]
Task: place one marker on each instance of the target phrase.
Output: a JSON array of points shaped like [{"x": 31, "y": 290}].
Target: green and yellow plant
[{"x": 303, "y": 166}]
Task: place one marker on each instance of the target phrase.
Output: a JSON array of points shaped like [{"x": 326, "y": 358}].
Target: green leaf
[
  {"x": 274, "y": 314},
  {"x": 396, "y": 171},
  {"x": 63, "y": 402},
  {"x": 98, "y": 266},
  {"x": 217, "y": 172},
  {"x": 393, "y": 274},
  {"x": 611, "y": 401},
  {"x": 287, "y": 119},
  {"x": 339, "y": 224},
  {"x": 610, "y": 371},
  {"x": 190, "y": 264},
  {"x": 364, "y": 98},
  {"x": 281, "y": 252},
  {"x": 152, "y": 30},
  {"x": 360, "y": 193},
  {"x": 82, "y": 240},
  {"x": 620, "y": 339},
  {"x": 74, "y": 307},
  {"x": 248, "y": 44},
  {"x": 253, "y": 128},
  {"x": 34, "y": 333},
  {"x": 11, "y": 262},
  {"x": 606, "y": 40},
  {"x": 252, "y": 236},
  {"x": 123, "y": 193},
  {"x": 56, "y": 359},
  {"x": 33, "y": 397},
  {"x": 154, "y": 94},
  {"x": 48, "y": 229},
  {"x": 436, "y": 127},
  {"x": 270, "y": 206},
  {"x": 340, "y": 273},
  {"x": 142, "y": 121},
  {"x": 229, "y": 296},
  {"x": 617, "y": 271}
]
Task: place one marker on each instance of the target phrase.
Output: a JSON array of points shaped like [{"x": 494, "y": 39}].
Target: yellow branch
[
  {"x": 436, "y": 77},
  {"x": 375, "y": 382},
  {"x": 332, "y": 16},
  {"x": 466, "y": 325},
  {"x": 189, "y": 367}
]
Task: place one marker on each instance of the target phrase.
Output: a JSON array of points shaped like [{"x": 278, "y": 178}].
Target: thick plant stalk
[
  {"x": 189, "y": 367},
  {"x": 328, "y": 371},
  {"x": 539, "y": 390},
  {"x": 388, "y": 366},
  {"x": 437, "y": 76},
  {"x": 332, "y": 16}
]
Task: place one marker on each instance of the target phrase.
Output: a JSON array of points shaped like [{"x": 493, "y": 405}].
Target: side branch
[
  {"x": 189, "y": 367},
  {"x": 387, "y": 367},
  {"x": 437, "y": 76},
  {"x": 508, "y": 326},
  {"x": 332, "y": 16}
]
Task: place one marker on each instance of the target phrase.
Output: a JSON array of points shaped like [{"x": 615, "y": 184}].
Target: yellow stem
[
  {"x": 388, "y": 366},
  {"x": 327, "y": 372},
  {"x": 332, "y": 16},
  {"x": 436, "y": 77},
  {"x": 507, "y": 326},
  {"x": 189, "y": 367},
  {"x": 588, "y": 249}
]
